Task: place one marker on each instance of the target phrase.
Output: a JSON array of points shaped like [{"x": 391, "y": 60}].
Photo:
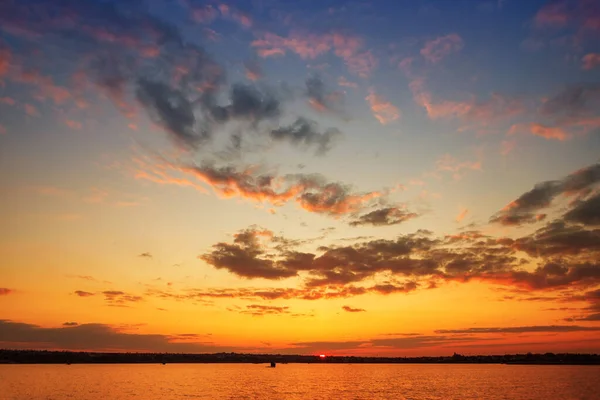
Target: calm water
[{"x": 298, "y": 381}]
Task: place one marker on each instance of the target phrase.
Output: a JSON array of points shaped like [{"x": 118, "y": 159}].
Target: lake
[{"x": 298, "y": 381}]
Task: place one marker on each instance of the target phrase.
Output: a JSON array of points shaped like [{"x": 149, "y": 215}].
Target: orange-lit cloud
[
  {"x": 383, "y": 110},
  {"x": 462, "y": 214},
  {"x": 312, "y": 193},
  {"x": 547, "y": 132},
  {"x": 5, "y": 291},
  {"x": 437, "y": 49}
]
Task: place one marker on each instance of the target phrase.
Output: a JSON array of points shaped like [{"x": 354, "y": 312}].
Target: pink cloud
[
  {"x": 2, "y": 130},
  {"x": 552, "y": 15},
  {"x": 204, "y": 14},
  {"x": 507, "y": 146},
  {"x": 548, "y": 132},
  {"x": 5, "y": 58},
  {"x": 383, "y": 110},
  {"x": 45, "y": 85},
  {"x": 406, "y": 65},
  {"x": 235, "y": 15},
  {"x": 437, "y": 49},
  {"x": 73, "y": 124},
  {"x": 462, "y": 214},
  {"x": 310, "y": 46},
  {"x": 474, "y": 114},
  {"x": 536, "y": 129},
  {"x": 346, "y": 83},
  {"x": 591, "y": 61},
  {"x": 7, "y": 101},
  {"x": 447, "y": 163},
  {"x": 31, "y": 110}
]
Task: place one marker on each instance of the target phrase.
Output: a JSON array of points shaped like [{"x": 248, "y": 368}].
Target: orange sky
[{"x": 386, "y": 178}]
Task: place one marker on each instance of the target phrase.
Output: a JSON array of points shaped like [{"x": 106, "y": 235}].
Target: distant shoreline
[{"x": 12, "y": 357}]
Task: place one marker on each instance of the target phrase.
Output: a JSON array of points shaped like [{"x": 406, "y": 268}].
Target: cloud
[
  {"x": 312, "y": 192},
  {"x": 32, "y": 110},
  {"x": 462, "y": 214},
  {"x": 145, "y": 255},
  {"x": 310, "y": 46},
  {"x": 259, "y": 310},
  {"x": 321, "y": 99},
  {"x": 437, "y": 49},
  {"x": 171, "y": 109},
  {"x": 304, "y": 132},
  {"x": 253, "y": 70},
  {"x": 586, "y": 212},
  {"x": 521, "y": 329},
  {"x": 5, "y": 59},
  {"x": 70, "y": 324},
  {"x": 6, "y": 291},
  {"x": 119, "y": 298},
  {"x": 449, "y": 164},
  {"x": 82, "y": 293},
  {"x": 548, "y": 132},
  {"x": 383, "y": 110},
  {"x": 342, "y": 81},
  {"x": 554, "y": 14},
  {"x": 95, "y": 337},
  {"x": 526, "y": 207},
  {"x": 474, "y": 113},
  {"x": 590, "y": 61},
  {"x": 353, "y": 310},
  {"x": 573, "y": 101},
  {"x": 384, "y": 216}
]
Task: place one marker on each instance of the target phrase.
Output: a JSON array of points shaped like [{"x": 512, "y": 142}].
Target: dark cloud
[
  {"x": 246, "y": 258},
  {"x": 145, "y": 255},
  {"x": 70, "y": 324},
  {"x": 566, "y": 256},
  {"x": 97, "y": 337},
  {"x": 559, "y": 239},
  {"x": 81, "y": 293},
  {"x": 320, "y": 98},
  {"x": 525, "y": 209},
  {"x": 247, "y": 102},
  {"x": 304, "y": 132},
  {"x": 586, "y": 212},
  {"x": 353, "y": 310},
  {"x": 313, "y": 192},
  {"x": 575, "y": 100},
  {"x": 259, "y": 310},
  {"x": 5, "y": 291},
  {"x": 119, "y": 298},
  {"x": 384, "y": 216},
  {"x": 171, "y": 109},
  {"x": 521, "y": 329}
]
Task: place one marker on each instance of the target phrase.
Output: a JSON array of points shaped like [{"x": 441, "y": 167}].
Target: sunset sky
[{"x": 365, "y": 177}]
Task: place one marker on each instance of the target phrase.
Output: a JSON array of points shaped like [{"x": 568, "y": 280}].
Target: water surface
[{"x": 298, "y": 381}]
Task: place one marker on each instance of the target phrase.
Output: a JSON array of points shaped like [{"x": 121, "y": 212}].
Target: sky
[{"x": 364, "y": 177}]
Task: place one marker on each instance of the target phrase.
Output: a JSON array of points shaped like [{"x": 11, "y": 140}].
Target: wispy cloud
[
  {"x": 383, "y": 110},
  {"x": 437, "y": 49}
]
